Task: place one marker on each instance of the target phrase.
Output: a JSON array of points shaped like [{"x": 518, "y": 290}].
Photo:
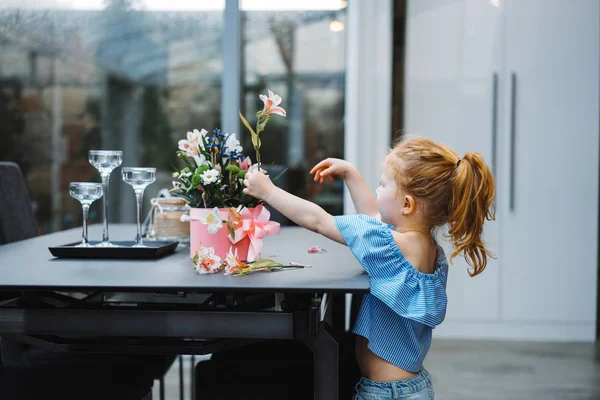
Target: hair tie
[{"x": 458, "y": 162}]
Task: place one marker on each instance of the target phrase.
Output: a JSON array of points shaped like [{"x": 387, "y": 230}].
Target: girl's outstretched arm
[{"x": 303, "y": 212}]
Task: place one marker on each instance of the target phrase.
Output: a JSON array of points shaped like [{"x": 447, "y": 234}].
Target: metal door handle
[{"x": 513, "y": 120}]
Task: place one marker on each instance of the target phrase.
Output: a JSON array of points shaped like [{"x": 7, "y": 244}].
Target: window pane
[
  {"x": 299, "y": 55},
  {"x": 103, "y": 74}
]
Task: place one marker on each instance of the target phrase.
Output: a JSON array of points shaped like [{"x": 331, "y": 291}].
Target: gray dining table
[{"x": 78, "y": 304}]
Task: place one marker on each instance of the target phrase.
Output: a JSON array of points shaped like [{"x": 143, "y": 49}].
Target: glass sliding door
[
  {"x": 96, "y": 74},
  {"x": 297, "y": 50}
]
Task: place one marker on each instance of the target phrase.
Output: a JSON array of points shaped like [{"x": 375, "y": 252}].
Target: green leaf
[
  {"x": 187, "y": 162},
  {"x": 231, "y": 230},
  {"x": 254, "y": 135},
  {"x": 265, "y": 262},
  {"x": 261, "y": 126},
  {"x": 279, "y": 175}
]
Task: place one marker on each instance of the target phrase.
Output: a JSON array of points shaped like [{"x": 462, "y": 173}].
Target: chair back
[{"x": 17, "y": 221}]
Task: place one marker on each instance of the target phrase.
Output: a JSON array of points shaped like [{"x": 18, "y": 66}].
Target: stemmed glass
[
  {"x": 86, "y": 193},
  {"x": 105, "y": 161},
  {"x": 139, "y": 178}
]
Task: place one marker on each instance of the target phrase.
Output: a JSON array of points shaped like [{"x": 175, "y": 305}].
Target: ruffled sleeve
[{"x": 410, "y": 293}]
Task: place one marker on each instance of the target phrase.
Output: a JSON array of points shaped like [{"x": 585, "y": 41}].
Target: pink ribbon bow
[{"x": 256, "y": 226}]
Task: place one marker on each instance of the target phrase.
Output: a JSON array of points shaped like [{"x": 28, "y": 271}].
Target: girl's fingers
[
  {"x": 328, "y": 171},
  {"x": 321, "y": 165},
  {"x": 321, "y": 174}
]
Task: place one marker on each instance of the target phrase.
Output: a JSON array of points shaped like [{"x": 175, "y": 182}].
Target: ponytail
[
  {"x": 473, "y": 191},
  {"x": 453, "y": 191}
]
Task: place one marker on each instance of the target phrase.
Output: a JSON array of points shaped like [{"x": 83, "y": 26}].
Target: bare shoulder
[{"x": 420, "y": 251}]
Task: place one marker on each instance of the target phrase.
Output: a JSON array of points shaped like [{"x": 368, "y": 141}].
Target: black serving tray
[{"x": 155, "y": 249}]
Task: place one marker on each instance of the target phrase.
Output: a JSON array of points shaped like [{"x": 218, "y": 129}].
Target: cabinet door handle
[
  {"x": 494, "y": 121},
  {"x": 513, "y": 122}
]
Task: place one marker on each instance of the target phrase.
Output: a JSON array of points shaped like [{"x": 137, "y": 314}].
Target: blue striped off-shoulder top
[{"x": 404, "y": 304}]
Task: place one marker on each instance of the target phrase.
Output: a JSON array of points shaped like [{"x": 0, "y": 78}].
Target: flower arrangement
[
  {"x": 214, "y": 171},
  {"x": 215, "y": 165},
  {"x": 222, "y": 217}
]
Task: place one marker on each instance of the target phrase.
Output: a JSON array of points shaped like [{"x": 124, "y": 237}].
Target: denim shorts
[{"x": 416, "y": 388}]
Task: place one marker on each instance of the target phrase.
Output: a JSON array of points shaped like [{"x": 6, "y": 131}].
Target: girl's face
[{"x": 388, "y": 199}]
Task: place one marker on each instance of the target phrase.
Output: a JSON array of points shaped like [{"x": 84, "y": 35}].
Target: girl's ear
[{"x": 409, "y": 205}]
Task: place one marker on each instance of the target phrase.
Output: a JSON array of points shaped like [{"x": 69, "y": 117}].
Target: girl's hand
[
  {"x": 258, "y": 184},
  {"x": 331, "y": 167}
]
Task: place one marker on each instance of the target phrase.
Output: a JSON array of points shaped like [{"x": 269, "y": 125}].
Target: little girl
[{"x": 424, "y": 185}]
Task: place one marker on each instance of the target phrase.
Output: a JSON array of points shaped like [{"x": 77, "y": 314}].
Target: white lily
[
  {"x": 232, "y": 262},
  {"x": 190, "y": 145},
  {"x": 193, "y": 143},
  {"x": 213, "y": 220},
  {"x": 199, "y": 159},
  {"x": 232, "y": 143}
]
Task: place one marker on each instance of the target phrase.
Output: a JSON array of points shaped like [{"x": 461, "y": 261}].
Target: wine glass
[
  {"x": 86, "y": 193},
  {"x": 105, "y": 161},
  {"x": 138, "y": 178}
]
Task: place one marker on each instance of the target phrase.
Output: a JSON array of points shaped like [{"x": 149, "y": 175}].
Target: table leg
[
  {"x": 180, "y": 377},
  {"x": 338, "y": 308},
  {"x": 326, "y": 365},
  {"x": 192, "y": 380}
]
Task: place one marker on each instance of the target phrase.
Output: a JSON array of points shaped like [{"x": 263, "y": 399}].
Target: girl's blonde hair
[{"x": 454, "y": 191}]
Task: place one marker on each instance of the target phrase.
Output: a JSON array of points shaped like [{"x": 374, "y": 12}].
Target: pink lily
[
  {"x": 245, "y": 164},
  {"x": 272, "y": 104}
]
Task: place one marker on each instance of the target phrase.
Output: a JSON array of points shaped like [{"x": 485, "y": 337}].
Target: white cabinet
[
  {"x": 518, "y": 81},
  {"x": 550, "y": 151}
]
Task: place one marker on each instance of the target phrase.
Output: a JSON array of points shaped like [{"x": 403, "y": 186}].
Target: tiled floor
[{"x": 485, "y": 370}]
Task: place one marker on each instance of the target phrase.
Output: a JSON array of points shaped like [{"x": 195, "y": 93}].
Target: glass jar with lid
[{"x": 168, "y": 219}]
